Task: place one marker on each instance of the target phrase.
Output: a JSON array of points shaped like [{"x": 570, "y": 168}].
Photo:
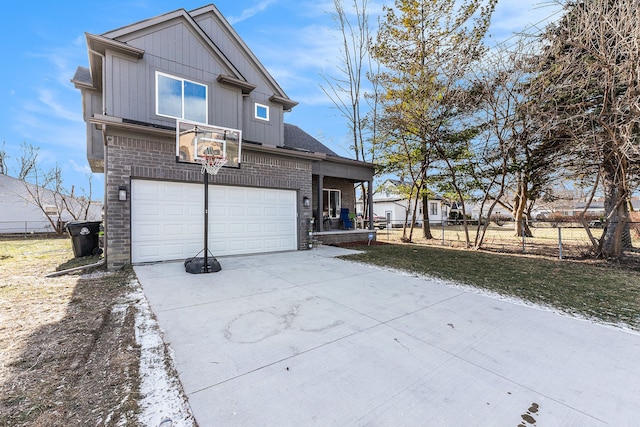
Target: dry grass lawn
[{"x": 69, "y": 356}]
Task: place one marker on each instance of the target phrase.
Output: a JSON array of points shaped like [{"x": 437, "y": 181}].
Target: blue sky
[{"x": 295, "y": 40}]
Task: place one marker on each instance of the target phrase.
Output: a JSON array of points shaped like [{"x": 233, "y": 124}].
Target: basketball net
[{"x": 212, "y": 164}]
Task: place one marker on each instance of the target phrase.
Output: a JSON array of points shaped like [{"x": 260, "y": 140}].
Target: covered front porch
[{"x": 335, "y": 219}]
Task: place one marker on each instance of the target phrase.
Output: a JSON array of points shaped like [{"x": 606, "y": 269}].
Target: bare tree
[
  {"x": 45, "y": 190},
  {"x": 3, "y": 160},
  {"x": 346, "y": 89},
  {"x": 588, "y": 92},
  {"x": 28, "y": 160}
]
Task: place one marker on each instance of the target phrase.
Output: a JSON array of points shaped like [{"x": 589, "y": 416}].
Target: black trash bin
[{"x": 84, "y": 237}]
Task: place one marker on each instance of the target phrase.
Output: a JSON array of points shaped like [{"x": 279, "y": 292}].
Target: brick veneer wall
[{"x": 131, "y": 156}]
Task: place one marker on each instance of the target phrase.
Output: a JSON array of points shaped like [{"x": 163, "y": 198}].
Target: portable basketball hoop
[{"x": 212, "y": 147}]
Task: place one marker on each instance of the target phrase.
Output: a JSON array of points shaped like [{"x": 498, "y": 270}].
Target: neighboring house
[
  {"x": 144, "y": 78},
  {"x": 390, "y": 202},
  {"x": 595, "y": 209},
  {"x": 20, "y": 213}
]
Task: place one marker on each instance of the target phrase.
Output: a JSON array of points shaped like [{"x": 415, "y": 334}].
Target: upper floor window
[
  {"x": 181, "y": 98},
  {"x": 262, "y": 112}
]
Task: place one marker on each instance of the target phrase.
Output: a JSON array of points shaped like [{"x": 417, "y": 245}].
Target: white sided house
[
  {"x": 21, "y": 214},
  {"x": 390, "y": 203},
  {"x": 192, "y": 67}
]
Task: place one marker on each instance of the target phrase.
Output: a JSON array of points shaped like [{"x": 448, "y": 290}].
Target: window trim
[
  {"x": 339, "y": 199},
  {"x": 433, "y": 208},
  {"x": 257, "y": 105},
  {"x": 182, "y": 81}
]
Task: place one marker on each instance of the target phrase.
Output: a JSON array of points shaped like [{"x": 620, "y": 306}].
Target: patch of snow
[
  {"x": 163, "y": 402},
  {"x": 97, "y": 274}
]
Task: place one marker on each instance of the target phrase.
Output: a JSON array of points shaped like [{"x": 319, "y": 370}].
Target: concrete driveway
[{"x": 304, "y": 338}]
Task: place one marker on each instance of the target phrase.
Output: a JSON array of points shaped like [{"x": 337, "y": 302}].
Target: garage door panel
[
  {"x": 253, "y": 211},
  {"x": 216, "y": 193},
  {"x": 236, "y": 196},
  {"x": 149, "y": 230},
  {"x": 174, "y": 230},
  {"x": 146, "y": 250},
  {"x": 269, "y": 212},
  {"x": 216, "y": 210},
  {"x": 236, "y": 211},
  {"x": 271, "y": 244},
  {"x": 269, "y": 196},
  {"x": 148, "y": 209},
  {"x": 175, "y": 209},
  {"x": 236, "y": 228},
  {"x": 174, "y": 250},
  {"x": 254, "y": 227},
  {"x": 285, "y": 228},
  {"x": 166, "y": 220}
]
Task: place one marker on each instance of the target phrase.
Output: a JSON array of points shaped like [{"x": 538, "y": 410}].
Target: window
[
  {"x": 262, "y": 112},
  {"x": 433, "y": 208},
  {"x": 331, "y": 203},
  {"x": 180, "y": 98}
]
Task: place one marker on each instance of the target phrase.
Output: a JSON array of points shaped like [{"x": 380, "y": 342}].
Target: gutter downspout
[{"x": 104, "y": 79}]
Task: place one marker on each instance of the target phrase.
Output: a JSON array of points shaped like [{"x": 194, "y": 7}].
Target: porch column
[
  {"x": 370, "y": 203},
  {"x": 319, "y": 211}
]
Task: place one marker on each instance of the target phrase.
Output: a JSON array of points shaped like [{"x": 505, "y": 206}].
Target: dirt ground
[{"x": 69, "y": 352}]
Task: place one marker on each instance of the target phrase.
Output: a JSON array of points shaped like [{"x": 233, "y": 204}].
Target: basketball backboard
[{"x": 194, "y": 140}]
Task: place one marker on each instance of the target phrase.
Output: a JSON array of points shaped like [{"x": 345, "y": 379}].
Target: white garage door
[{"x": 167, "y": 220}]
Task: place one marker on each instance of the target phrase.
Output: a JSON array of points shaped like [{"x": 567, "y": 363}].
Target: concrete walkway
[{"x": 303, "y": 338}]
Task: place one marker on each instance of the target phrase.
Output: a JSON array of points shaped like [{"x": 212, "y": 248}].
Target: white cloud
[
  {"x": 316, "y": 48},
  {"x": 325, "y": 7},
  {"x": 84, "y": 169},
  {"x": 51, "y": 105},
  {"x": 250, "y": 12}
]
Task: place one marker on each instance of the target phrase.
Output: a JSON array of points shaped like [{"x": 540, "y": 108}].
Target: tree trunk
[
  {"x": 617, "y": 235},
  {"x": 519, "y": 209},
  {"x": 426, "y": 226}
]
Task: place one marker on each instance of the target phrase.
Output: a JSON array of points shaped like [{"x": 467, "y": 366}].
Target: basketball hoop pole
[
  {"x": 208, "y": 146},
  {"x": 210, "y": 165},
  {"x": 206, "y": 222}
]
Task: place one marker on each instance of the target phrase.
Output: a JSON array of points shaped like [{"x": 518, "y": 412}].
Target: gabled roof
[
  {"x": 234, "y": 77},
  {"x": 127, "y": 32},
  {"x": 97, "y": 47},
  {"x": 82, "y": 77},
  {"x": 297, "y": 139},
  {"x": 280, "y": 95}
]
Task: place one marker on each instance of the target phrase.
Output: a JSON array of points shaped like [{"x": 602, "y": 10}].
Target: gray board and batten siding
[{"x": 200, "y": 51}]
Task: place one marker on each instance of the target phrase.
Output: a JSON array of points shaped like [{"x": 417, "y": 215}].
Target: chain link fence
[
  {"x": 26, "y": 227},
  {"x": 561, "y": 239}
]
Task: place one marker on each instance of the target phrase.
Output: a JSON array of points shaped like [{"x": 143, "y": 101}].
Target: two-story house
[{"x": 145, "y": 78}]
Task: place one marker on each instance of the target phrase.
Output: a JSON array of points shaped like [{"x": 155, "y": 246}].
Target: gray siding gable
[
  {"x": 218, "y": 28},
  {"x": 202, "y": 47},
  {"x": 158, "y": 36}
]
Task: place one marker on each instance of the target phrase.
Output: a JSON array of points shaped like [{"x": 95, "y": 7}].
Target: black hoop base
[{"x": 197, "y": 265}]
